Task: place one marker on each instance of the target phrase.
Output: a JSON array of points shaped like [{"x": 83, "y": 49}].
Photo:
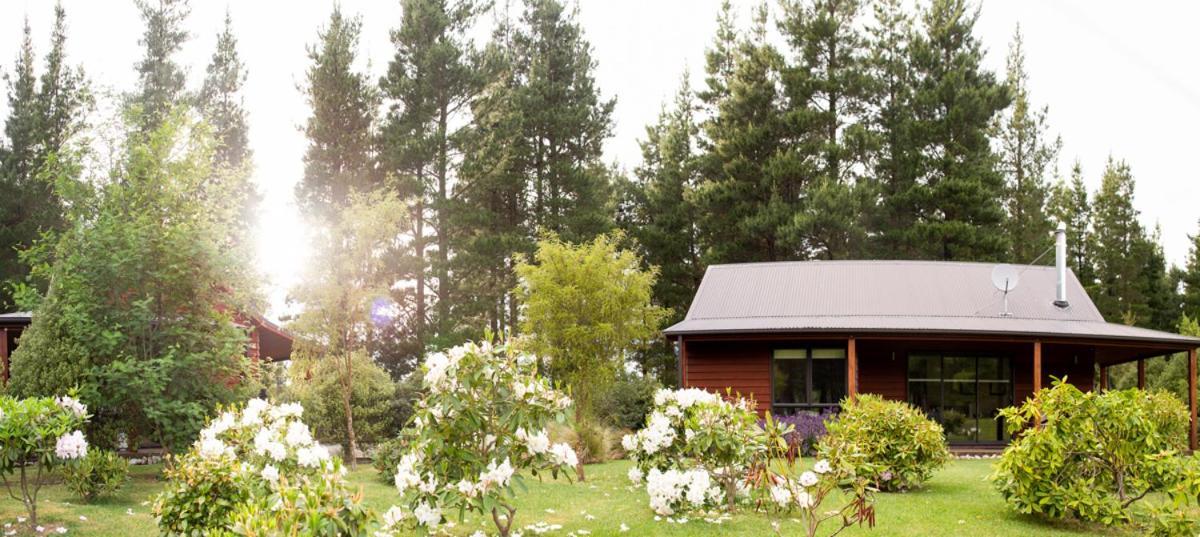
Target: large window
[
  {"x": 963, "y": 393},
  {"x": 807, "y": 379}
]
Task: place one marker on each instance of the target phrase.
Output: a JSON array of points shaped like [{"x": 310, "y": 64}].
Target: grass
[{"x": 957, "y": 501}]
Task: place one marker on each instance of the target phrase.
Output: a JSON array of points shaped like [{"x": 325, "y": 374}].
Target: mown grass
[{"x": 957, "y": 501}]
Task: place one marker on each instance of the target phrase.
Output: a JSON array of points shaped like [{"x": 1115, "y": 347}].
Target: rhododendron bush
[
  {"x": 480, "y": 425},
  {"x": 696, "y": 450},
  {"x": 37, "y": 435},
  {"x": 258, "y": 471},
  {"x": 803, "y": 494}
]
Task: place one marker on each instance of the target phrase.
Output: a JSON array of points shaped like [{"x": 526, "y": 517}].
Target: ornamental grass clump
[
  {"x": 1100, "y": 457},
  {"x": 38, "y": 435},
  {"x": 258, "y": 471},
  {"x": 696, "y": 450},
  {"x": 891, "y": 443},
  {"x": 479, "y": 428},
  {"x": 98, "y": 473}
]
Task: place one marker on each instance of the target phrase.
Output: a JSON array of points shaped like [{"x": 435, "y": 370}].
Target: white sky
[{"x": 1120, "y": 78}]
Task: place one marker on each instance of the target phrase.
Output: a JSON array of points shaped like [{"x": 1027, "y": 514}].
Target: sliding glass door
[{"x": 963, "y": 393}]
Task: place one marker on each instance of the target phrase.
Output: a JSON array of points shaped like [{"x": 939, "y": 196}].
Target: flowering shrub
[
  {"x": 482, "y": 422},
  {"x": 891, "y": 443},
  {"x": 691, "y": 440},
  {"x": 806, "y": 430},
  {"x": 258, "y": 471},
  {"x": 1097, "y": 456},
  {"x": 806, "y": 493},
  {"x": 98, "y": 472},
  {"x": 37, "y": 435}
]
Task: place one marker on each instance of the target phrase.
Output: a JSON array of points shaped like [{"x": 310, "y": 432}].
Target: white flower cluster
[
  {"x": 73, "y": 405},
  {"x": 71, "y": 446},
  {"x": 684, "y": 398},
  {"x": 276, "y": 431},
  {"x": 796, "y": 492},
  {"x": 675, "y": 489}
]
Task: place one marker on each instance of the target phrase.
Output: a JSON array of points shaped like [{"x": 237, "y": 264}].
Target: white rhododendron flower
[
  {"x": 270, "y": 473},
  {"x": 635, "y": 475},
  {"x": 406, "y": 475},
  {"x": 781, "y": 495},
  {"x": 804, "y": 500},
  {"x": 298, "y": 434},
  {"x": 427, "y": 515},
  {"x": 629, "y": 442},
  {"x": 537, "y": 443},
  {"x": 496, "y": 474},
  {"x": 437, "y": 367},
  {"x": 392, "y": 517},
  {"x": 808, "y": 479},
  {"x": 563, "y": 454},
  {"x": 73, "y": 405},
  {"x": 212, "y": 448},
  {"x": 821, "y": 467},
  {"x": 311, "y": 456},
  {"x": 674, "y": 489},
  {"x": 252, "y": 414},
  {"x": 287, "y": 410},
  {"x": 71, "y": 445}
]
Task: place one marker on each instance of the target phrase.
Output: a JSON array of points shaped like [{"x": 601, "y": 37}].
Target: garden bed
[{"x": 957, "y": 501}]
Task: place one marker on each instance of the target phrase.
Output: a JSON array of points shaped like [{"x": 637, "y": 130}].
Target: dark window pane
[
  {"x": 959, "y": 411},
  {"x": 926, "y": 396},
  {"x": 924, "y": 366},
  {"x": 789, "y": 376},
  {"x": 829, "y": 376},
  {"x": 959, "y": 368}
]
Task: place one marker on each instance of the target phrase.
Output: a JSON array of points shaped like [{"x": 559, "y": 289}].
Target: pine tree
[
  {"x": 828, "y": 91},
  {"x": 1026, "y": 157},
  {"x": 428, "y": 84},
  {"x": 751, "y": 186},
  {"x": 1190, "y": 279},
  {"x": 220, "y": 102},
  {"x": 663, "y": 218},
  {"x": 1119, "y": 240},
  {"x": 564, "y": 123},
  {"x": 43, "y": 115},
  {"x": 160, "y": 79},
  {"x": 1069, "y": 204},
  {"x": 1163, "y": 306},
  {"x": 340, "y": 158},
  {"x": 959, "y": 189},
  {"x": 890, "y": 121}
]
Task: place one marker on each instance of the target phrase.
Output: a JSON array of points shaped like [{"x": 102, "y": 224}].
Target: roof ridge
[{"x": 872, "y": 262}]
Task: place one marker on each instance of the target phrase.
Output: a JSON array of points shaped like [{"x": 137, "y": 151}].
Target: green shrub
[
  {"x": 891, "y": 443},
  {"x": 36, "y": 436},
  {"x": 386, "y": 456},
  {"x": 628, "y": 401},
  {"x": 1097, "y": 456},
  {"x": 317, "y": 386},
  {"x": 99, "y": 472}
]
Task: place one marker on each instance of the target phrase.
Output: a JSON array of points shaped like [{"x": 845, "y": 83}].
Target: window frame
[
  {"x": 808, "y": 377},
  {"x": 975, "y": 355}
]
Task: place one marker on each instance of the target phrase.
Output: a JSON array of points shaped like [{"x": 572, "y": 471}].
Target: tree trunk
[
  {"x": 443, "y": 235},
  {"x": 351, "y": 440},
  {"x": 419, "y": 250}
]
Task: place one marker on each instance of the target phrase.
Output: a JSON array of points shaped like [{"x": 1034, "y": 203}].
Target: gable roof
[{"x": 896, "y": 296}]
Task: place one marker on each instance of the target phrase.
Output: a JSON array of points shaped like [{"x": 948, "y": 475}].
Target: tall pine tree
[
  {"x": 959, "y": 189},
  {"x": 1190, "y": 279},
  {"x": 1119, "y": 240},
  {"x": 160, "y": 79},
  {"x": 340, "y": 157},
  {"x": 1027, "y": 156},
  {"x": 1069, "y": 204},
  {"x": 44, "y": 113},
  {"x": 429, "y": 83}
]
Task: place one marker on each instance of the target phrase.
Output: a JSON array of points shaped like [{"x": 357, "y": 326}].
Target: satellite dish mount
[{"x": 1005, "y": 277}]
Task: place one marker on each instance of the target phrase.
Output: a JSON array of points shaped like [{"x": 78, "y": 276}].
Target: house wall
[{"x": 744, "y": 366}]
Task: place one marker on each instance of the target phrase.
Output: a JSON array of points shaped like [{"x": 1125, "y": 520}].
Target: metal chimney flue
[{"x": 1060, "y": 265}]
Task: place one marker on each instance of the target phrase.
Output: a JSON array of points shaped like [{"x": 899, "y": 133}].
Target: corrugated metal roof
[
  {"x": 894, "y": 296},
  {"x": 16, "y": 317}
]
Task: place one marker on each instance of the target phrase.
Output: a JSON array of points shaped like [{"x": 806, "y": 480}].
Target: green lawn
[{"x": 958, "y": 501}]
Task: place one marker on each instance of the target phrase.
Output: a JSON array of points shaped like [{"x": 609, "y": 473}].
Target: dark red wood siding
[{"x": 740, "y": 366}]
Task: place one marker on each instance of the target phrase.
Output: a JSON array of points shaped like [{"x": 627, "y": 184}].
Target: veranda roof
[{"x": 924, "y": 297}]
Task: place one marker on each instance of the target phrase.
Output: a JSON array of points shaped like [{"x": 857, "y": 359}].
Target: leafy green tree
[
  {"x": 344, "y": 294},
  {"x": 316, "y": 384},
  {"x": 161, "y": 80},
  {"x": 959, "y": 188},
  {"x": 340, "y": 159},
  {"x": 221, "y": 104},
  {"x": 138, "y": 313},
  {"x": 662, "y": 219},
  {"x": 1070, "y": 205},
  {"x": 1027, "y": 155},
  {"x": 43, "y": 116},
  {"x": 585, "y": 307},
  {"x": 428, "y": 86},
  {"x": 750, "y": 186}
]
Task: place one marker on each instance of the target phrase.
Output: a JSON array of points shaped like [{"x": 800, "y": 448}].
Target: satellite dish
[{"x": 1005, "y": 277}]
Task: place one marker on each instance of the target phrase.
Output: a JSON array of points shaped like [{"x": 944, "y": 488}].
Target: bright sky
[{"x": 1120, "y": 78}]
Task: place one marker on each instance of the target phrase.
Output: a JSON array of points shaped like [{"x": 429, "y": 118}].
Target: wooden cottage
[{"x": 801, "y": 336}]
